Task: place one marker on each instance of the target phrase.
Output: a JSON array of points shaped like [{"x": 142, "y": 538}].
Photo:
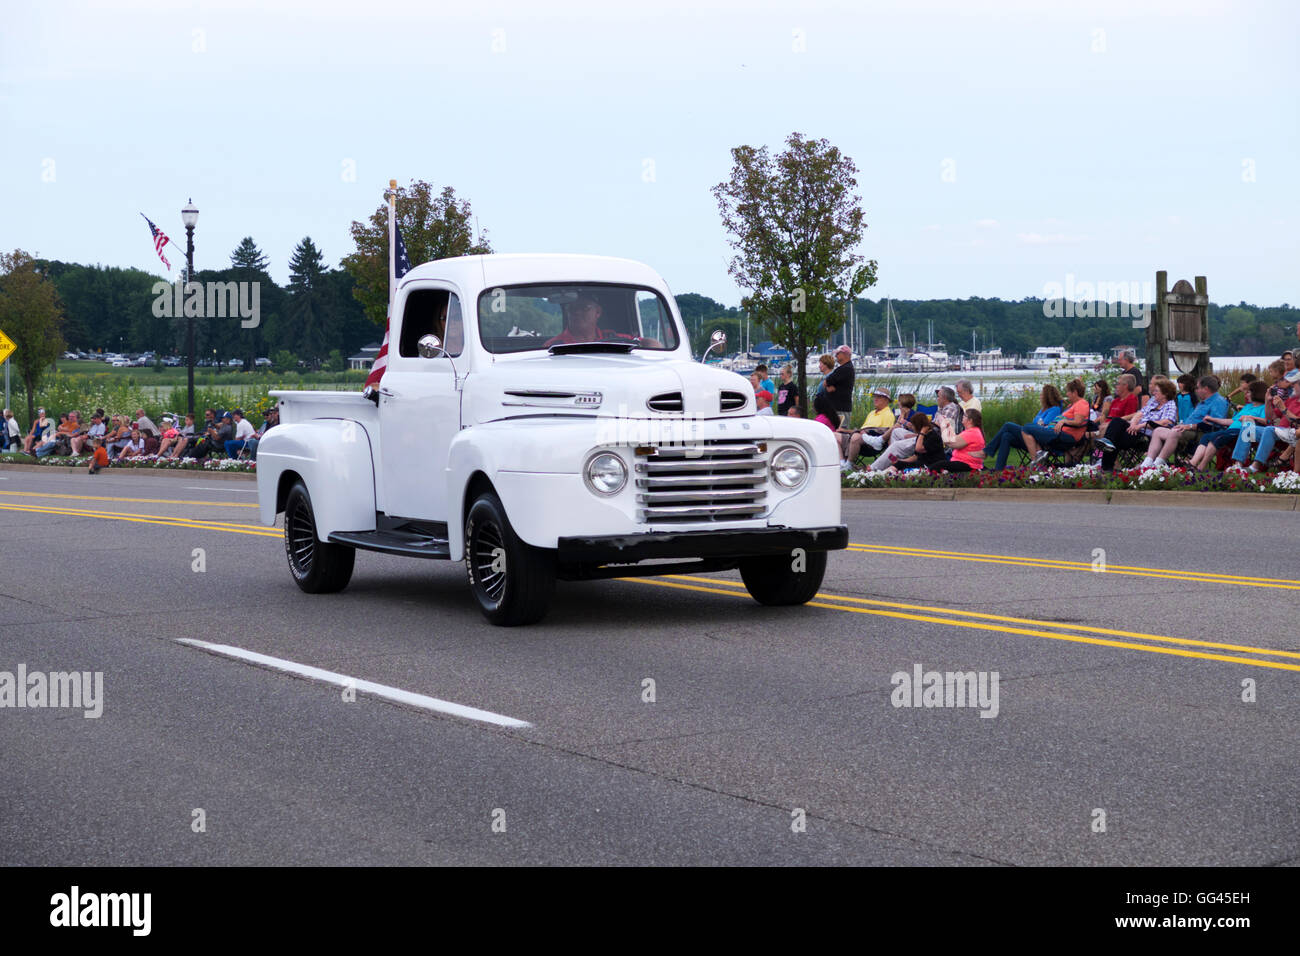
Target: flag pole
[
  {"x": 392, "y": 243},
  {"x": 371, "y": 390}
]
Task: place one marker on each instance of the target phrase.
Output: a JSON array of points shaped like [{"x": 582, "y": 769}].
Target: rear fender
[{"x": 334, "y": 459}]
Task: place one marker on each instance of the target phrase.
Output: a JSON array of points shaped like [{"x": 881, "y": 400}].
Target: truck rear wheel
[
  {"x": 512, "y": 581},
  {"x": 318, "y": 567},
  {"x": 784, "y": 579}
]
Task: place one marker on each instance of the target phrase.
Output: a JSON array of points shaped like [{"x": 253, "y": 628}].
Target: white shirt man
[{"x": 12, "y": 432}]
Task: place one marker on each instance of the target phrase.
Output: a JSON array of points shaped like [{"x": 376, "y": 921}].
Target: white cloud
[{"x": 1048, "y": 239}]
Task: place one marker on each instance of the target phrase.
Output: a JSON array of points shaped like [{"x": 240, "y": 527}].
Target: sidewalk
[
  {"x": 190, "y": 473},
  {"x": 1256, "y": 501},
  {"x": 1253, "y": 500}
]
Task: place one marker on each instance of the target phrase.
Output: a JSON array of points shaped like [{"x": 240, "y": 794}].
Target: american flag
[
  {"x": 159, "y": 240},
  {"x": 401, "y": 265}
]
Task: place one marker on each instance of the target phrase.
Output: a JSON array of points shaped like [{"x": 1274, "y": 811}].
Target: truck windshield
[{"x": 527, "y": 318}]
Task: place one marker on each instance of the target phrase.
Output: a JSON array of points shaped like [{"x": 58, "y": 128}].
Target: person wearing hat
[
  {"x": 763, "y": 398},
  {"x": 878, "y": 423},
  {"x": 243, "y": 434},
  {"x": 219, "y": 431},
  {"x": 96, "y": 430},
  {"x": 839, "y": 382}
]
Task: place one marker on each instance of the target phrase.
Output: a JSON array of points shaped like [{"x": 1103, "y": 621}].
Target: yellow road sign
[{"x": 7, "y": 347}]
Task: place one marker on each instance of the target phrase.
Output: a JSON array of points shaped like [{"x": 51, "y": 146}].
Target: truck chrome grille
[{"x": 707, "y": 481}]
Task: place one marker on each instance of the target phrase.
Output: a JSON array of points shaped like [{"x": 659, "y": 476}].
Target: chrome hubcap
[
  {"x": 300, "y": 538},
  {"x": 487, "y": 557}
]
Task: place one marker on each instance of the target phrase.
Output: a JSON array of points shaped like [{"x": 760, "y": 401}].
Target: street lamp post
[{"x": 189, "y": 216}]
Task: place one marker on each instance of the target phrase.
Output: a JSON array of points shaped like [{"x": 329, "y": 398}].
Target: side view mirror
[
  {"x": 716, "y": 341},
  {"x": 430, "y": 346}
]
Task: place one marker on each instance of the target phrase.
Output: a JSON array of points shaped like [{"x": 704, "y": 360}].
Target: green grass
[{"x": 150, "y": 376}]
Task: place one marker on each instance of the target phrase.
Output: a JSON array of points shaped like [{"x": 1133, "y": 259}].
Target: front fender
[
  {"x": 335, "y": 460},
  {"x": 526, "y": 461}
]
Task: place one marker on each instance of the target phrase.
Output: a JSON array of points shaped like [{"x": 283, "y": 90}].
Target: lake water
[{"x": 990, "y": 383}]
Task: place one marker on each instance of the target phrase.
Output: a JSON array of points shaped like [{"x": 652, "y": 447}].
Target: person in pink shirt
[
  {"x": 968, "y": 446},
  {"x": 826, "y": 413},
  {"x": 170, "y": 436}
]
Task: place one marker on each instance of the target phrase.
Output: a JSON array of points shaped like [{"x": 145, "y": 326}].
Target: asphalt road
[{"x": 1118, "y": 692}]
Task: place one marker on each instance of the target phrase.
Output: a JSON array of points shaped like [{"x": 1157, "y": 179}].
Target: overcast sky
[{"x": 1001, "y": 145}]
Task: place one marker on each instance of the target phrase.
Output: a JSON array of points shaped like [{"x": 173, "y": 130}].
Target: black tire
[
  {"x": 774, "y": 582},
  {"x": 518, "y": 591},
  {"x": 317, "y": 567}
]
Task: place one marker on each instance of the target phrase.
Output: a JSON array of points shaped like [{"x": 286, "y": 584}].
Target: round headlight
[
  {"x": 606, "y": 474},
  {"x": 789, "y": 467}
]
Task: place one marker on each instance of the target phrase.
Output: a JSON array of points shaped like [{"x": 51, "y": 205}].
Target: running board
[{"x": 406, "y": 543}]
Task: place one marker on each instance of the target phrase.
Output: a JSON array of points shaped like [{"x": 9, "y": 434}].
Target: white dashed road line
[{"x": 395, "y": 694}]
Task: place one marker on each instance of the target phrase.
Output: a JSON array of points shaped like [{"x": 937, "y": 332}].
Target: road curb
[
  {"x": 1256, "y": 501},
  {"x": 152, "y": 472}
]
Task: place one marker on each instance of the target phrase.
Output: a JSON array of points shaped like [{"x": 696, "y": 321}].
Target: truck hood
[{"x": 625, "y": 386}]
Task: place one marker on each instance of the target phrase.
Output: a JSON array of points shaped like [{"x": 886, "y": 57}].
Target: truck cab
[{"x": 541, "y": 418}]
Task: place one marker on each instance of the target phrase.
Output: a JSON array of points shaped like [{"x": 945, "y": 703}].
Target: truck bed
[{"x": 301, "y": 406}]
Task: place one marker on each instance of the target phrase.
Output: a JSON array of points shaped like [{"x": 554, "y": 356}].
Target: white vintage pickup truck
[{"x": 541, "y": 418}]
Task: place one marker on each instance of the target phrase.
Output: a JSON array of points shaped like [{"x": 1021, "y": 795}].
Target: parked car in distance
[
  {"x": 236, "y": 363},
  {"x": 262, "y": 362}
]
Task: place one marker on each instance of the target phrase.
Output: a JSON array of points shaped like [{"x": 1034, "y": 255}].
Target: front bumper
[{"x": 740, "y": 543}]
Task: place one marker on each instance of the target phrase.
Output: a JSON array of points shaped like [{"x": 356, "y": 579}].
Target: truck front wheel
[
  {"x": 783, "y": 580},
  {"x": 512, "y": 581},
  {"x": 318, "y": 567}
]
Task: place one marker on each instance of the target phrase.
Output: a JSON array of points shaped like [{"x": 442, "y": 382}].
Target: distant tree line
[
  {"x": 112, "y": 309},
  {"x": 1016, "y": 327},
  {"x": 324, "y": 314}
]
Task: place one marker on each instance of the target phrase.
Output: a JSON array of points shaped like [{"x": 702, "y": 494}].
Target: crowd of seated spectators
[
  {"x": 109, "y": 438},
  {"x": 1187, "y": 420}
]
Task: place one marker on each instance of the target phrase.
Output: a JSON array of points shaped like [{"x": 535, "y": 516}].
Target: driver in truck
[{"x": 582, "y": 324}]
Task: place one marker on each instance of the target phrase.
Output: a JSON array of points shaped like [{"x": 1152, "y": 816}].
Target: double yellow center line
[
  {"x": 977, "y": 620},
  {"x": 1201, "y": 577},
  {"x": 949, "y": 617},
  {"x": 230, "y": 526}
]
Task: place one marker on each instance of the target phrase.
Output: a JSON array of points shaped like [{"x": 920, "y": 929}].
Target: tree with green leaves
[
  {"x": 310, "y": 320},
  {"x": 30, "y": 314},
  {"x": 248, "y": 256},
  {"x": 433, "y": 227},
  {"x": 795, "y": 222}
]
